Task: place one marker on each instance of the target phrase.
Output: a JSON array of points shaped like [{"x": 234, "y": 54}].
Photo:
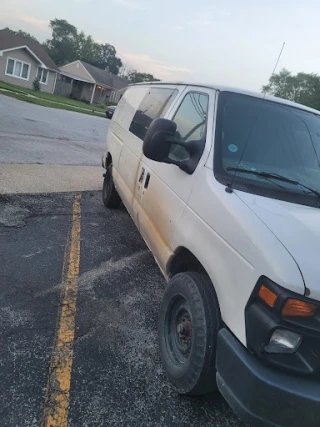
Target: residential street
[
  {"x": 40, "y": 148},
  {"x": 116, "y": 375},
  {"x": 36, "y": 135}
]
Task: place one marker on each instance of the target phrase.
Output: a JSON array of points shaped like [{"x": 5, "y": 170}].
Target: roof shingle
[
  {"x": 9, "y": 40},
  {"x": 104, "y": 78}
]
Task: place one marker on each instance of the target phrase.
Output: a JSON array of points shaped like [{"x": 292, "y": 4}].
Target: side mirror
[
  {"x": 156, "y": 143},
  {"x": 159, "y": 140}
]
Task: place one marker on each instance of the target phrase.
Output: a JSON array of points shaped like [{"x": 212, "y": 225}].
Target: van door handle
[
  {"x": 141, "y": 175},
  {"x": 146, "y": 182}
]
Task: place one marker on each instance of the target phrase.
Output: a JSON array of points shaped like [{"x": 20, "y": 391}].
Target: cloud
[
  {"x": 159, "y": 69},
  {"x": 180, "y": 28},
  {"x": 174, "y": 68},
  {"x": 132, "y": 4},
  {"x": 16, "y": 22},
  {"x": 226, "y": 13},
  {"x": 204, "y": 18},
  {"x": 140, "y": 57},
  {"x": 201, "y": 22},
  {"x": 39, "y": 23}
]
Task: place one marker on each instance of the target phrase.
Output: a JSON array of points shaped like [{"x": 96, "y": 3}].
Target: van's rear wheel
[
  {"x": 110, "y": 197},
  {"x": 189, "y": 322}
]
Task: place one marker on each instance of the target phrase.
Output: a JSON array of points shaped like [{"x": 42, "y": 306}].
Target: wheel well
[
  {"x": 108, "y": 160},
  {"x": 184, "y": 260}
]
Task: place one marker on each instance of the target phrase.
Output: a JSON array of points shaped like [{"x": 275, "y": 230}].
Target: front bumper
[{"x": 262, "y": 396}]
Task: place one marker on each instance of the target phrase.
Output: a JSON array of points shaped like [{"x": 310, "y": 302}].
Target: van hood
[{"x": 298, "y": 229}]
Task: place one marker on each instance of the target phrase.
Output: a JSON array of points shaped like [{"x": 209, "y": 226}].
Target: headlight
[
  {"x": 283, "y": 341},
  {"x": 283, "y": 328}
]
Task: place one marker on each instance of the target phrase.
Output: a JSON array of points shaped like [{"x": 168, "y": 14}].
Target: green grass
[
  {"x": 46, "y": 103},
  {"x": 44, "y": 99}
]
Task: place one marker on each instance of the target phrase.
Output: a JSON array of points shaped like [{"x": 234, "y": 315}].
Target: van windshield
[{"x": 258, "y": 135}]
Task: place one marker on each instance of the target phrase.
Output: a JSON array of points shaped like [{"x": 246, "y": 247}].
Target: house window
[
  {"x": 18, "y": 69},
  {"x": 42, "y": 76}
]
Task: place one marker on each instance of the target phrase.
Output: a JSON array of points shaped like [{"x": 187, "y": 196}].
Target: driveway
[{"x": 79, "y": 299}]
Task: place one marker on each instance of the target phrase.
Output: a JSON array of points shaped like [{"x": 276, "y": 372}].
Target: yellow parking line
[{"x": 56, "y": 405}]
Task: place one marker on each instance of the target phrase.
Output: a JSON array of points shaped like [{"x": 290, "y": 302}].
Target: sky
[{"x": 229, "y": 42}]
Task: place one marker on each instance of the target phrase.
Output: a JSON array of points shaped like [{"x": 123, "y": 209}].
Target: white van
[{"x": 224, "y": 186}]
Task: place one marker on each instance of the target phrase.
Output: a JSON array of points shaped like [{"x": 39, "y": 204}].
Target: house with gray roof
[
  {"x": 90, "y": 84},
  {"x": 23, "y": 60}
]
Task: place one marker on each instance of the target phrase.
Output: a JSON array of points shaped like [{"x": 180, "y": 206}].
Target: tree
[
  {"x": 107, "y": 59},
  {"x": 125, "y": 70},
  {"x": 36, "y": 85},
  {"x": 303, "y": 88},
  {"x": 67, "y": 45},
  {"x": 21, "y": 34},
  {"x": 86, "y": 48},
  {"x": 136, "y": 77},
  {"x": 63, "y": 46}
]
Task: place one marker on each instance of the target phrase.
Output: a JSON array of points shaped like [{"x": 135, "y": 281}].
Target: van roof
[{"x": 222, "y": 88}]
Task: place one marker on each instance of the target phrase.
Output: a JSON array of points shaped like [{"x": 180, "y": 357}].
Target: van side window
[
  {"x": 191, "y": 120},
  {"x": 155, "y": 104}
]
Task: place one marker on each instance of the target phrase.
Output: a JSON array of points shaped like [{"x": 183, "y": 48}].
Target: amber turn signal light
[
  {"x": 267, "y": 296},
  {"x": 297, "y": 308}
]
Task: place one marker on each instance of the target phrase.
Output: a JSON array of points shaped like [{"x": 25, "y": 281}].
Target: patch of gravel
[{"x": 12, "y": 215}]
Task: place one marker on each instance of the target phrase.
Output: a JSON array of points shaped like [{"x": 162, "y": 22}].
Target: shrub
[{"x": 36, "y": 84}]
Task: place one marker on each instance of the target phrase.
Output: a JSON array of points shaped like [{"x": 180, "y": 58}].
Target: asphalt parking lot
[{"x": 79, "y": 294}]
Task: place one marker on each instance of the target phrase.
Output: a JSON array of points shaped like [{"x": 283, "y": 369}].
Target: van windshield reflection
[{"x": 260, "y": 135}]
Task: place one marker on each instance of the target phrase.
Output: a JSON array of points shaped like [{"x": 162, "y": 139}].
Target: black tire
[
  {"x": 188, "y": 356},
  {"x": 110, "y": 197}
]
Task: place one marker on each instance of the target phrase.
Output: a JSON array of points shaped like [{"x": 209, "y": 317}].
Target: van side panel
[
  {"x": 131, "y": 146},
  {"x": 159, "y": 210},
  {"x": 114, "y": 144},
  {"x": 225, "y": 236},
  {"x": 119, "y": 125}
]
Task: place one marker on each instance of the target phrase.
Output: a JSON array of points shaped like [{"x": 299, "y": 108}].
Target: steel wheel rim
[{"x": 178, "y": 330}]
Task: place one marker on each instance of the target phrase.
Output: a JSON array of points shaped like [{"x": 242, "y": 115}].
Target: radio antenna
[
  {"x": 229, "y": 186},
  {"x": 275, "y": 67}
]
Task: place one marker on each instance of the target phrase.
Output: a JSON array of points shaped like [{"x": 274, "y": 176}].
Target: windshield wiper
[{"x": 269, "y": 175}]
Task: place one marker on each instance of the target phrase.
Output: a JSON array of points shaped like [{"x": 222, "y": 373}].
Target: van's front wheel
[
  {"x": 110, "y": 197},
  {"x": 189, "y": 322}
]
